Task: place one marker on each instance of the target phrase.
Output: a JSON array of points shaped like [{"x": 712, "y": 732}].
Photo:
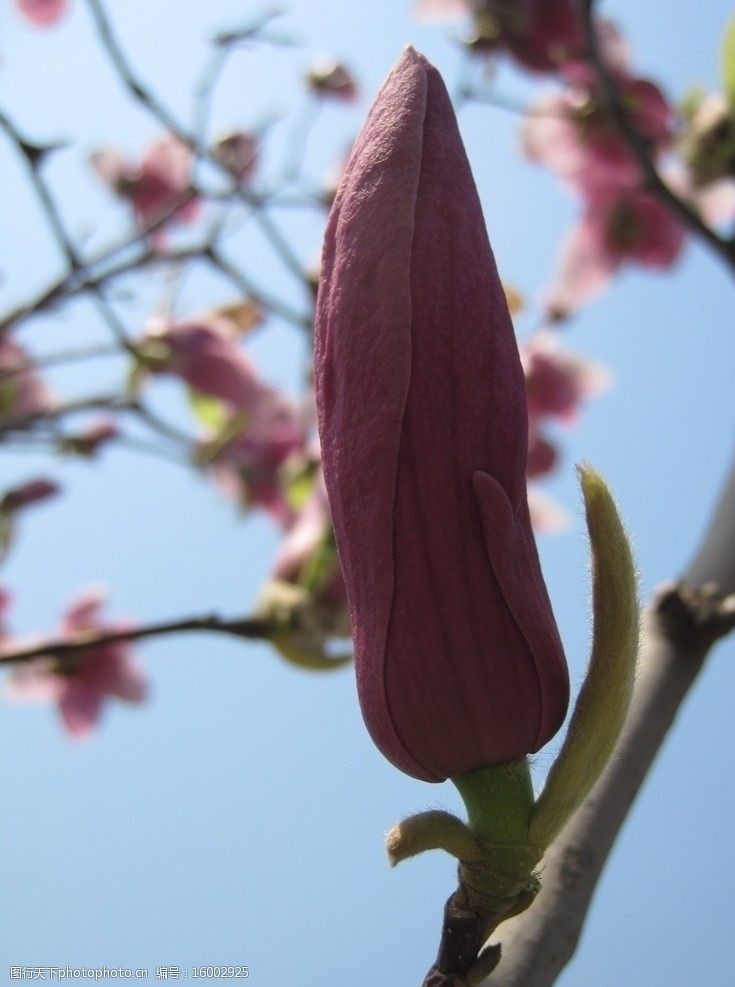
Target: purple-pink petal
[
  {"x": 42, "y": 13},
  {"x": 422, "y": 415}
]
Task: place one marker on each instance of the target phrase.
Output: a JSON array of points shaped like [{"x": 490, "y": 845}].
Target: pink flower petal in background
[
  {"x": 547, "y": 517},
  {"x": 164, "y": 176},
  {"x": 716, "y": 202},
  {"x": 584, "y": 269},
  {"x": 639, "y": 227},
  {"x": 205, "y": 355},
  {"x": 42, "y": 13},
  {"x": 32, "y": 492},
  {"x": 154, "y": 186},
  {"x": 542, "y": 454},
  {"x": 302, "y": 541},
  {"x": 569, "y": 133},
  {"x": 80, "y": 688},
  {"x": 618, "y": 225},
  {"x": 238, "y": 152},
  {"x": 557, "y": 381},
  {"x": 559, "y": 134},
  {"x": 23, "y": 393},
  {"x": 35, "y": 681},
  {"x": 333, "y": 80},
  {"x": 89, "y": 440},
  {"x": 248, "y": 467},
  {"x": 541, "y": 35},
  {"x": 441, "y": 10}
]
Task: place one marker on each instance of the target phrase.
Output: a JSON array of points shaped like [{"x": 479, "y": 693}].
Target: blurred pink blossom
[
  {"x": 618, "y": 225},
  {"x": 81, "y": 686},
  {"x": 541, "y": 35},
  {"x": 238, "y": 153},
  {"x": 542, "y": 454},
  {"x": 206, "y": 356},
  {"x": 42, "y": 13},
  {"x": 98, "y": 433},
  {"x": 248, "y": 467},
  {"x": 32, "y": 492},
  {"x": 441, "y": 10},
  {"x": 715, "y": 200},
  {"x": 154, "y": 186},
  {"x": 303, "y": 540},
  {"x": 88, "y": 441},
  {"x": 332, "y": 79},
  {"x": 547, "y": 516},
  {"x": 571, "y": 134},
  {"x": 23, "y": 393},
  {"x": 5, "y": 601},
  {"x": 557, "y": 381}
]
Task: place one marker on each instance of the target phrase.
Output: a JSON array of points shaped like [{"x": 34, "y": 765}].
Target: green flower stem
[
  {"x": 499, "y": 802},
  {"x": 495, "y": 884}
]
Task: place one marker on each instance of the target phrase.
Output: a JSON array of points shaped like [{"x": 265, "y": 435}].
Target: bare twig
[
  {"x": 244, "y": 284},
  {"x": 33, "y": 159},
  {"x": 157, "y": 424},
  {"x": 77, "y": 644},
  {"x": 83, "y": 276},
  {"x": 56, "y": 412},
  {"x": 75, "y": 355},
  {"x": 145, "y": 96}
]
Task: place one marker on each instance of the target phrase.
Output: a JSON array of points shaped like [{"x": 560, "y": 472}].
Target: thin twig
[
  {"x": 83, "y": 276},
  {"x": 243, "y": 627},
  {"x": 244, "y": 284},
  {"x": 55, "y": 412},
  {"x": 138, "y": 407},
  {"x": 145, "y": 96},
  {"x": 32, "y": 158},
  {"x": 46, "y": 360}
]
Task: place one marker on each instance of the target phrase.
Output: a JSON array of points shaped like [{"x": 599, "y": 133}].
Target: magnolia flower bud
[{"x": 423, "y": 423}]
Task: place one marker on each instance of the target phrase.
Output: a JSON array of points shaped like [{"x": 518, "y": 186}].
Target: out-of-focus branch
[
  {"x": 13, "y": 427},
  {"x": 97, "y": 402},
  {"x": 147, "y": 98},
  {"x": 252, "y": 628},
  {"x": 76, "y": 355},
  {"x": 33, "y": 159},
  {"x": 87, "y": 273},
  {"x": 640, "y": 149},
  {"x": 90, "y": 274},
  {"x": 681, "y": 624},
  {"x": 102, "y": 269}
]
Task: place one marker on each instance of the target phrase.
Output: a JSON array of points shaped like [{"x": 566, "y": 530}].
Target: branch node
[{"x": 694, "y": 617}]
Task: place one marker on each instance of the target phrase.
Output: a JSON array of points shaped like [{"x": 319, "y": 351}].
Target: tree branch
[
  {"x": 33, "y": 158},
  {"x": 252, "y": 628},
  {"x": 145, "y": 96},
  {"x": 681, "y": 624}
]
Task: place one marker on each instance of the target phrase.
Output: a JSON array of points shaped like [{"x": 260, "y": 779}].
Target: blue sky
[{"x": 238, "y": 818}]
